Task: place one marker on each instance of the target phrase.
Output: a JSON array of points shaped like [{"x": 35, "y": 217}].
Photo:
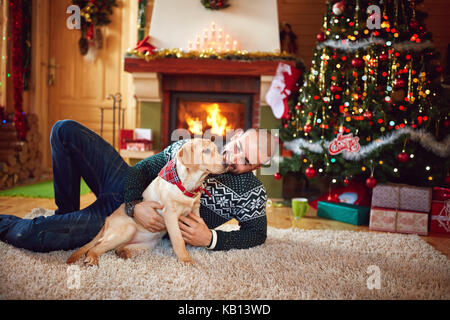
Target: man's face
[{"x": 242, "y": 154}]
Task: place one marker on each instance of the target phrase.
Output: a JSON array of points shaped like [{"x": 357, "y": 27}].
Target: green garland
[
  {"x": 215, "y": 4},
  {"x": 209, "y": 54}
]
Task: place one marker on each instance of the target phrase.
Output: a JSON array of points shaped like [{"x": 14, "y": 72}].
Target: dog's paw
[
  {"x": 187, "y": 261},
  {"x": 124, "y": 253},
  {"x": 71, "y": 260},
  {"x": 91, "y": 261}
]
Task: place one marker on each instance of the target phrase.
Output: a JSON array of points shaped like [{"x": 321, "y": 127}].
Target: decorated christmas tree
[{"x": 371, "y": 107}]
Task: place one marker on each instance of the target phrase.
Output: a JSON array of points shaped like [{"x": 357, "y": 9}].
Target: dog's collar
[{"x": 169, "y": 174}]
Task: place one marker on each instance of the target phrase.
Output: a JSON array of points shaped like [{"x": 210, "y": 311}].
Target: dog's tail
[{"x": 82, "y": 251}]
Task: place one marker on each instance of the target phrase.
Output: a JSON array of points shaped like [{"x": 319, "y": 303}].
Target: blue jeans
[{"x": 76, "y": 152}]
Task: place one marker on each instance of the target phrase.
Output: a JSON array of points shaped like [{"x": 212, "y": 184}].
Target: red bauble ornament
[
  {"x": 447, "y": 123},
  {"x": 320, "y": 36},
  {"x": 346, "y": 181},
  {"x": 383, "y": 57},
  {"x": 371, "y": 182},
  {"x": 413, "y": 24},
  {"x": 335, "y": 89},
  {"x": 310, "y": 172},
  {"x": 307, "y": 128},
  {"x": 403, "y": 157},
  {"x": 277, "y": 176},
  {"x": 357, "y": 62},
  {"x": 399, "y": 83},
  {"x": 439, "y": 69},
  {"x": 368, "y": 115},
  {"x": 338, "y": 8}
]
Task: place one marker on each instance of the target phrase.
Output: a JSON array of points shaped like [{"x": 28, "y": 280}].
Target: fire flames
[{"x": 214, "y": 119}]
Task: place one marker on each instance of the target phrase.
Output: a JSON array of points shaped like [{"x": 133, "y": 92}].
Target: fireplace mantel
[
  {"x": 205, "y": 66},
  {"x": 146, "y": 74}
]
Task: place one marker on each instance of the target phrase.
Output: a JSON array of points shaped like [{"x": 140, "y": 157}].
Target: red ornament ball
[
  {"x": 277, "y": 176},
  {"x": 403, "y": 157},
  {"x": 357, "y": 62},
  {"x": 383, "y": 57},
  {"x": 335, "y": 89},
  {"x": 310, "y": 172},
  {"x": 413, "y": 25},
  {"x": 338, "y": 8},
  {"x": 307, "y": 128},
  {"x": 346, "y": 181},
  {"x": 320, "y": 37},
  {"x": 399, "y": 83},
  {"x": 368, "y": 115},
  {"x": 447, "y": 123},
  {"x": 439, "y": 69},
  {"x": 371, "y": 182}
]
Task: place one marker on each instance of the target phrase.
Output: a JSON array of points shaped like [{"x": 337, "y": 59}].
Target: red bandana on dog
[{"x": 169, "y": 173}]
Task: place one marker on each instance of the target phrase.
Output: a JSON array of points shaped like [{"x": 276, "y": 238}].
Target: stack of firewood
[{"x": 20, "y": 161}]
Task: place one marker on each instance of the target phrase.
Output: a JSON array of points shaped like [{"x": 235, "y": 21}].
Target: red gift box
[
  {"x": 440, "y": 211},
  {"x": 124, "y": 136}
]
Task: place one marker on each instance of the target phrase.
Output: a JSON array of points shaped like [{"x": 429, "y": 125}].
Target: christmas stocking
[{"x": 282, "y": 85}]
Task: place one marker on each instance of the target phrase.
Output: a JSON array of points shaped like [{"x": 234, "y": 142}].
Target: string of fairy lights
[{"x": 368, "y": 83}]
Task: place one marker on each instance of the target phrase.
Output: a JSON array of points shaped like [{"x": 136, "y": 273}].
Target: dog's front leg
[{"x": 178, "y": 244}]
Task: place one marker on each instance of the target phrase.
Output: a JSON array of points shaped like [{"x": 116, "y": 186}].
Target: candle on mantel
[
  {"x": 197, "y": 43},
  {"x": 227, "y": 42},
  {"x": 214, "y": 38},
  {"x": 205, "y": 36}
]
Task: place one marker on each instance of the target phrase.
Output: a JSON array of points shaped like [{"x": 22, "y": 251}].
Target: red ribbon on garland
[{"x": 17, "y": 67}]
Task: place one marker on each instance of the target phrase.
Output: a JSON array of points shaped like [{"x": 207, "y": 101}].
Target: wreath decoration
[{"x": 215, "y": 4}]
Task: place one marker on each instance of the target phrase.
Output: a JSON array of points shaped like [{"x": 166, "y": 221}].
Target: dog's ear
[{"x": 186, "y": 155}]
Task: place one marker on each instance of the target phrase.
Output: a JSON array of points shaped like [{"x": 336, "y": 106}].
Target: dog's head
[{"x": 201, "y": 155}]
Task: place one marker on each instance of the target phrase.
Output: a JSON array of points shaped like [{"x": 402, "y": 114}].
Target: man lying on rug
[{"x": 79, "y": 152}]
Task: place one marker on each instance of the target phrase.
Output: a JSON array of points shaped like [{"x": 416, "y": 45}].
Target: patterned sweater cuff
[{"x": 213, "y": 240}]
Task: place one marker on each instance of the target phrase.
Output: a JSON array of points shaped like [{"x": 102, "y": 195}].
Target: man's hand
[
  {"x": 145, "y": 213},
  {"x": 195, "y": 231}
]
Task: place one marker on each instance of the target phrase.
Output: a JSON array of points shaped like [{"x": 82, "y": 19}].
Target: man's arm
[
  {"x": 251, "y": 233},
  {"x": 141, "y": 175},
  {"x": 251, "y": 215}
]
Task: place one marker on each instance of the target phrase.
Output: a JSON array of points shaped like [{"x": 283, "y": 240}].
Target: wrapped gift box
[
  {"x": 393, "y": 220},
  {"x": 440, "y": 211},
  {"x": 402, "y": 197},
  {"x": 124, "y": 136},
  {"x": 382, "y": 219},
  {"x": 348, "y": 213},
  {"x": 412, "y": 222},
  {"x": 141, "y": 145}
]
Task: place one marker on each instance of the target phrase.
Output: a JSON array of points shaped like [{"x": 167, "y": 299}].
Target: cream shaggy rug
[{"x": 292, "y": 264}]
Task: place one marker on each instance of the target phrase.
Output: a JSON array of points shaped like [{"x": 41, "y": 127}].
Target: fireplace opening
[{"x": 216, "y": 112}]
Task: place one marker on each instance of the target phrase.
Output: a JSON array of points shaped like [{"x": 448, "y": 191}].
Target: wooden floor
[{"x": 278, "y": 217}]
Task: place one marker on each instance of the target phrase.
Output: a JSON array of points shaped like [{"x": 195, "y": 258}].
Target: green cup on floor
[{"x": 299, "y": 207}]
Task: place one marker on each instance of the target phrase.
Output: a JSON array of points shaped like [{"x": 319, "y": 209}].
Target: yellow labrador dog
[{"x": 178, "y": 188}]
